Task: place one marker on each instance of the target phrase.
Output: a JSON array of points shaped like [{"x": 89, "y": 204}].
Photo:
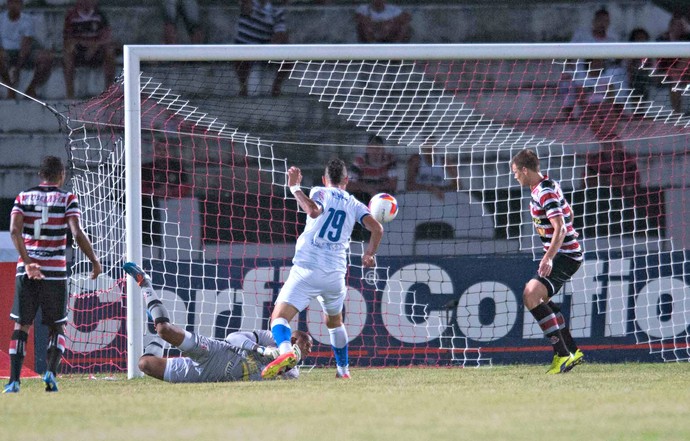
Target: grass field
[{"x": 594, "y": 402}]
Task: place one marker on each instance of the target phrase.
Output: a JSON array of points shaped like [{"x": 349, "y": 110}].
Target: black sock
[
  {"x": 565, "y": 331},
  {"x": 56, "y": 347},
  {"x": 548, "y": 323},
  {"x": 17, "y": 353}
]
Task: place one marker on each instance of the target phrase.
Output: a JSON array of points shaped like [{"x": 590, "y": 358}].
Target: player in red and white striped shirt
[
  {"x": 38, "y": 227},
  {"x": 553, "y": 220}
]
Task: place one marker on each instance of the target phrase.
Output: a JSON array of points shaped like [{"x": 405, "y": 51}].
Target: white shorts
[
  {"x": 182, "y": 370},
  {"x": 303, "y": 285}
]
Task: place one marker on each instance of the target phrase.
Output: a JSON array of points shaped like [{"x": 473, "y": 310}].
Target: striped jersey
[
  {"x": 325, "y": 240},
  {"x": 364, "y": 169},
  {"x": 88, "y": 25},
  {"x": 259, "y": 26},
  {"x": 547, "y": 202},
  {"x": 45, "y": 209}
]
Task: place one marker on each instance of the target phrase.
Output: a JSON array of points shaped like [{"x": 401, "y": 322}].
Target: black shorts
[
  {"x": 563, "y": 269},
  {"x": 80, "y": 56},
  {"x": 13, "y": 56},
  {"x": 30, "y": 294}
]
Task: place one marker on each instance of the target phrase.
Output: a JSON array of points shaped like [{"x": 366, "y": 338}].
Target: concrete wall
[{"x": 443, "y": 22}]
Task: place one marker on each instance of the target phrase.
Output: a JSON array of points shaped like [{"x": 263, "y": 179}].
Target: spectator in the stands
[
  {"x": 260, "y": 22},
  {"x": 87, "y": 42},
  {"x": 639, "y": 79},
  {"x": 613, "y": 175},
  {"x": 187, "y": 11},
  {"x": 675, "y": 69},
  {"x": 432, "y": 171},
  {"x": 162, "y": 177},
  {"x": 380, "y": 22},
  {"x": 165, "y": 176},
  {"x": 20, "y": 50},
  {"x": 613, "y": 167},
  {"x": 587, "y": 82},
  {"x": 374, "y": 172}
]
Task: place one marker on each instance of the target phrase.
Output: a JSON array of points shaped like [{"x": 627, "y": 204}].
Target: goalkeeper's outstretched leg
[
  {"x": 241, "y": 356},
  {"x": 152, "y": 362}
]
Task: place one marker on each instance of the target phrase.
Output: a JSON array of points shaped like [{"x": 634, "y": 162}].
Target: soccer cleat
[
  {"x": 342, "y": 372},
  {"x": 49, "y": 380},
  {"x": 561, "y": 365},
  {"x": 139, "y": 274},
  {"x": 11, "y": 388},
  {"x": 278, "y": 366},
  {"x": 578, "y": 358}
]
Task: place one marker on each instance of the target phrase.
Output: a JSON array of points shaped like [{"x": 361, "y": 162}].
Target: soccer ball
[{"x": 383, "y": 207}]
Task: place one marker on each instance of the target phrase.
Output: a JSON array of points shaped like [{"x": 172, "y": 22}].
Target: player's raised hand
[
  {"x": 33, "y": 270},
  {"x": 294, "y": 176},
  {"x": 369, "y": 260}
]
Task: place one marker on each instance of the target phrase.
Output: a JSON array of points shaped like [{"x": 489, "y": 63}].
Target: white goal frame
[{"x": 135, "y": 54}]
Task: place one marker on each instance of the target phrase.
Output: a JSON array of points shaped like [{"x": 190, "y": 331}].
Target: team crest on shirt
[{"x": 537, "y": 226}]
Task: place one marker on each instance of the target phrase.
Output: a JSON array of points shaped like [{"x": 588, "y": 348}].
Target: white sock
[
  {"x": 280, "y": 328},
  {"x": 339, "y": 345},
  {"x": 188, "y": 343},
  {"x": 338, "y": 336}
]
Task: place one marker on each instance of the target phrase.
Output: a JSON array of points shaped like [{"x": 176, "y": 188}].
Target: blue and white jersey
[{"x": 326, "y": 239}]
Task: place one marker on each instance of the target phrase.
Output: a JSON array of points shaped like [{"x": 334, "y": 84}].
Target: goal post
[
  {"x": 133, "y": 227},
  {"x": 473, "y": 106}
]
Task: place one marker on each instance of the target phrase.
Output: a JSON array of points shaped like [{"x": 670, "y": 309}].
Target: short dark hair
[
  {"x": 336, "y": 171},
  {"x": 297, "y": 334},
  {"x": 375, "y": 139},
  {"x": 526, "y": 158},
  {"x": 638, "y": 31},
  {"x": 601, "y": 11},
  {"x": 52, "y": 169}
]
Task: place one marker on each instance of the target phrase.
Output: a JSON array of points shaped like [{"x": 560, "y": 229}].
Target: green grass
[{"x": 594, "y": 402}]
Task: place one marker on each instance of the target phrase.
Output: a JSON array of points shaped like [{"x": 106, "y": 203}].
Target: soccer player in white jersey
[
  {"x": 239, "y": 357},
  {"x": 39, "y": 222},
  {"x": 553, "y": 221},
  {"x": 320, "y": 263}
]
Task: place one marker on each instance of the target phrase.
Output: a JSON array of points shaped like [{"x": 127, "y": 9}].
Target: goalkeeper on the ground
[{"x": 240, "y": 357}]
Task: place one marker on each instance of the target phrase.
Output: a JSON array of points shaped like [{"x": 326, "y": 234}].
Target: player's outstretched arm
[
  {"x": 376, "y": 229},
  {"x": 310, "y": 207},
  {"x": 242, "y": 341}
]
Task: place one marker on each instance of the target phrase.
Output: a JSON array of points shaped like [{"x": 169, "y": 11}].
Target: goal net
[{"x": 178, "y": 171}]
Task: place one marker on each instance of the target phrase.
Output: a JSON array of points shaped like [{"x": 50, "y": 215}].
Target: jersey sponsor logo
[
  {"x": 249, "y": 367},
  {"x": 228, "y": 368}
]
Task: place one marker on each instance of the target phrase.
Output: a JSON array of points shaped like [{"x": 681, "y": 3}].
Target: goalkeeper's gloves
[{"x": 268, "y": 352}]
